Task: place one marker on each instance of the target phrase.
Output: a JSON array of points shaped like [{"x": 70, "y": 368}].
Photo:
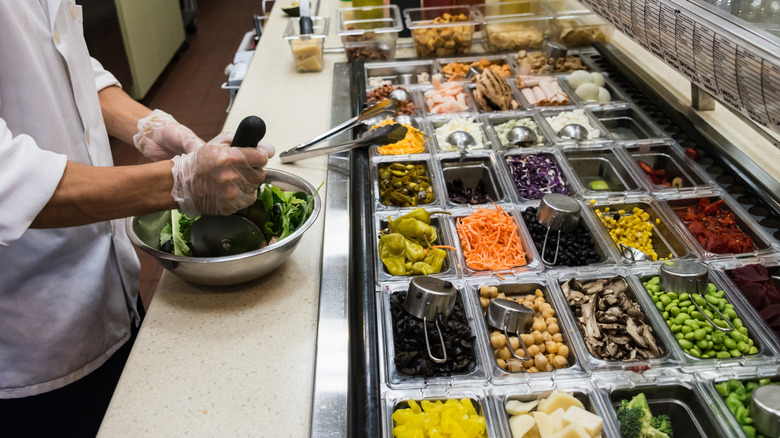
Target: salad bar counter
[{"x": 620, "y": 281}]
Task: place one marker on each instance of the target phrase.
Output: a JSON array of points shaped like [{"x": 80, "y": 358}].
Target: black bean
[{"x": 576, "y": 247}]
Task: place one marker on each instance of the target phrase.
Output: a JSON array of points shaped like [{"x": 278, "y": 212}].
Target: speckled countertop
[{"x": 238, "y": 361}]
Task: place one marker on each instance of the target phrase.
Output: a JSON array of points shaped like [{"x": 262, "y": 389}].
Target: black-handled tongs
[{"x": 375, "y": 113}]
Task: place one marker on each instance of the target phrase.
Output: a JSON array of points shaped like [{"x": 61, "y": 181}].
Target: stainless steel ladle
[
  {"x": 406, "y": 119},
  {"x": 428, "y": 297},
  {"x": 461, "y": 140},
  {"x": 573, "y": 131},
  {"x": 400, "y": 94},
  {"x": 521, "y": 136},
  {"x": 633, "y": 254}
]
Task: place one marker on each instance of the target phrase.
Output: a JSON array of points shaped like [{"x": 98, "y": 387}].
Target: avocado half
[{"x": 293, "y": 10}]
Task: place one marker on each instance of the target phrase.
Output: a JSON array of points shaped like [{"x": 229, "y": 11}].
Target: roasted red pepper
[
  {"x": 692, "y": 154},
  {"x": 715, "y": 228}
]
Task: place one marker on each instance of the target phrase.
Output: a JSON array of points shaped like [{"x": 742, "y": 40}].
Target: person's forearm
[
  {"x": 88, "y": 194},
  {"x": 121, "y": 113}
]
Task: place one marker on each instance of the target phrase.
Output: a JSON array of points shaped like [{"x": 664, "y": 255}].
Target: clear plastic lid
[{"x": 368, "y": 19}]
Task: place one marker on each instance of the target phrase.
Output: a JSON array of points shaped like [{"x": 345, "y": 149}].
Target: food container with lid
[
  {"x": 512, "y": 26},
  {"x": 515, "y": 371},
  {"x": 370, "y": 32},
  {"x": 675, "y": 394},
  {"x": 739, "y": 412},
  {"x": 307, "y": 49},
  {"x": 499, "y": 125},
  {"x": 503, "y": 397},
  {"x": 664, "y": 234},
  {"x": 531, "y": 264},
  {"x": 443, "y": 30},
  {"x": 601, "y": 172},
  {"x": 590, "y": 358},
  {"x": 576, "y": 26},
  {"x": 715, "y": 221},
  {"x": 430, "y": 397},
  {"x": 662, "y": 167},
  {"x": 747, "y": 326},
  {"x": 403, "y": 350}
]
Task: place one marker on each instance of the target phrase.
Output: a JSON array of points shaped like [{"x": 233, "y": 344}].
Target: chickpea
[
  {"x": 538, "y": 337},
  {"x": 528, "y": 339},
  {"x": 501, "y": 363},
  {"x": 557, "y": 337},
  {"x": 540, "y": 361},
  {"x": 536, "y": 306},
  {"x": 553, "y": 329},
  {"x": 484, "y": 302},
  {"x": 514, "y": 365},
  {"x": 484, "y": 291},
  {"x": 547, "y": 336},
  {"x": 539, "y": 325},
  {"x": 552, "y": 347},
  {"x": 548, "y": 313},
  {"x": 530, "y": 298},
  {"x": 504, "y": 353},
  {"x": 497, "y": 340},
  {"x": 563, "y": 350},
  {"x": 549, "y": 367},
  {"x": 533, "y": 370},
  {"x": 550, "y": 320},
  {"x": 500, "y": 295},
  {"x": 528, "y": 304},
  {"x": 514, "y": 342},
  {"x": 529, "y": 363},
  {"x": 539, "y": 293},
  {"x": 493, "y": 291},
  {"x": 533, "y": 350},
  {"x": 559, "y": 362},
  {"x": 542, "y": 348}
]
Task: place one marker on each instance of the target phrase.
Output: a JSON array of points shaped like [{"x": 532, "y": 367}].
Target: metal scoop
[
  {"x": 461, "y": 140},
  {"x": 765, "y": 409},
  {"x": 553, "y": 51},
  {"x": 573, "y": 131},
  {"x": 400, "y": 94},
  {"x": 521, "y": 136},
  {"x": 473, "y": 71},
  {"x": 426, "y": 299},
  {"x": 690, "y": 277},
  {"x": 560, "y": 213},
  {"x": 380, "y": 136},
  {"x": 385, "y": 108},
  {"x": 406, "y": 119},
  {"x": 218, "y": 236},
  {"x": 510, "y": 316},
  {"x": 633, "y": 254}
]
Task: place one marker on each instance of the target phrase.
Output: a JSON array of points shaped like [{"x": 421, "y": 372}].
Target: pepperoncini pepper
[{"x": 406, "y": 248}]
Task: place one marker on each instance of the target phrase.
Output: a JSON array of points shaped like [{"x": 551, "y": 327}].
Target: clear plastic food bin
[
  {"x": 370, "y": 32},
  {"x": 512, "y": 26},
  {"x": 307, "y": 49},
  {"x": 442, "y": 31}
]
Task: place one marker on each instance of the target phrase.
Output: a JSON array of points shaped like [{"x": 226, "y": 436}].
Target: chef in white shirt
[{"x": 68, "y": 273}]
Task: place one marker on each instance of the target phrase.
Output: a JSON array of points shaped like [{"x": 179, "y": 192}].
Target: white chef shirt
[{"x": 67, "y": 295}]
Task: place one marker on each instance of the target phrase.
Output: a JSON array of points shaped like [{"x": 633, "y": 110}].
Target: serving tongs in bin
[
  {"x": 691, "y": 277},
  {"x": 510, "y": 316},
  {"x": 375, "y": 113},
  {"x": 426, "y": 299}
]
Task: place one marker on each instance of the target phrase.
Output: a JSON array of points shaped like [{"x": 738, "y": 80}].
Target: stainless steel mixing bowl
[{"x": 144, "y": 232}]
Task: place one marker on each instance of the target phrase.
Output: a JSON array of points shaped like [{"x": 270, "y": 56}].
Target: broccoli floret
[
  {"x": 631, "y": 420},
  {"x": 636, "y": 420},
  {"x": 663, "y": 424}
]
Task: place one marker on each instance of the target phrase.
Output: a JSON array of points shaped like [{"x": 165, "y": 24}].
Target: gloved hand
[
  {"x": 217, "y": 178},
  {"x": 161, "y": 137}
]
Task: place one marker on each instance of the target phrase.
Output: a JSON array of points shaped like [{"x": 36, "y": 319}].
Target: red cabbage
[{"x": 536, "y": 175}]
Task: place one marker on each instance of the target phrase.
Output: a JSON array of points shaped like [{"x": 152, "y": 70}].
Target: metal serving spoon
[
  {"x": 400, "y": 94},
  {"x": 521, "y": 136},
  {"x": 461, "y": 140},
  {"x": 406, "y": 119},
  {"x": 573, "y": 131}
]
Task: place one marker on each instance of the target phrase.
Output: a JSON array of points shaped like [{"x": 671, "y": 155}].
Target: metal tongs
[
  {"x": 392, "y": 133},
  {"x": 691, "y": 278}
]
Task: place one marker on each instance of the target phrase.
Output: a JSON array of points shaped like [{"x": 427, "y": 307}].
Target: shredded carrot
[
  {"x": 444, "y": 247},
  {"x": 500, "y": 276},
  {"x": 490, "y": 240},
  {"x": 413, "y": 142}
]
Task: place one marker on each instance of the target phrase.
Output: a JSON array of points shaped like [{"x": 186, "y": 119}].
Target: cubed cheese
[
  {"x": 589, "y": 421},
  {"x": 546, "y": 427},
  {"x": 557, "y": 418},
  {"x": 558, "y": 400},
  {"x": 516, "y": 407},
  {"x": 521, "y": 424},
  {"x": 572, "y": 431}
]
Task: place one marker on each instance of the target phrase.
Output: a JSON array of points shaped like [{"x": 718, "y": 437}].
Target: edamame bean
[
  {"x": 723, "y": 355},
  {"x": 700, "y": 334},
  {"x": 685, "y": 344}
]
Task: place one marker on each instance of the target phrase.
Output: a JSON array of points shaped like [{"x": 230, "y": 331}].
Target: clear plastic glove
[
  {"x": 217, "y": 178},
  {"x": 161, "y": 137}
]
